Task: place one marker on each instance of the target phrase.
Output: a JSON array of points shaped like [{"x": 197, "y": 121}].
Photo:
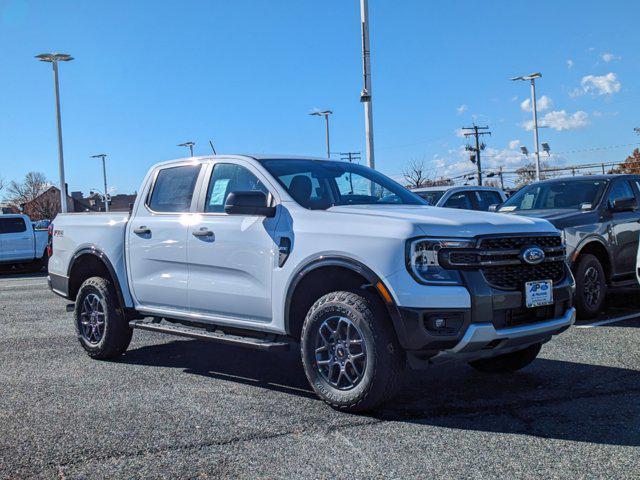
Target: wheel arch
[
  {"x": 91, "y": 262},
  {"x": 596, "y": 247},
  {"x": 326, "y": 274}
]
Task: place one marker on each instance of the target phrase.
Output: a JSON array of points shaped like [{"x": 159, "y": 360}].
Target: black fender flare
[
  {"x": 587, "y": 240},
  {"x": 345, "y": 262},
  {"x": 106, "y": 262}
]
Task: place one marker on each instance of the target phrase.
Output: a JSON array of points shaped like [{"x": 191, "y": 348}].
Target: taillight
[{"x": 50, "y": 240}]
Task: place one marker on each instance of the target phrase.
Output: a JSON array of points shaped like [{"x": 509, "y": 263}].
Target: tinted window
[
  {"x": 619, "y": 190},
  {"x": 227, "y": 178},
  {"x": 459, "y": 200},
  {"x": 569, "y": 194},
  {"x": 320, "y": 184},
  {"x": 173, "y": 189},
  {"x": 486, "y": 198},
  {"x": 12, "y": 225}
]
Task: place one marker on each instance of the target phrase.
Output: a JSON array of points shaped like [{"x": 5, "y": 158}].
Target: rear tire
[
  {"x": 591, "y": 286},
  {"x": 350, "y": 352},
  {"x": 102, "y": 329},
  {"x": 509, "y": 362}
]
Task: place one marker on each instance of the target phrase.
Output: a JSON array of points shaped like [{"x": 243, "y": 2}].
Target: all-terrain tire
[
  {"x": 509, "y": 362},
  {"x": 385, "y": 359},
  {"x": 116, "y": 333},
  {"x": 591, "y": 286}
]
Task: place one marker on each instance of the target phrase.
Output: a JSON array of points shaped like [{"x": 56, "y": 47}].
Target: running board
[{"x": 269, "y": 342}]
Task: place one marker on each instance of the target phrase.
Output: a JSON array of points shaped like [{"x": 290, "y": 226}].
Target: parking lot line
[
  {"x": 609, "y": 320},
  {"x": 3, "y": 287}
]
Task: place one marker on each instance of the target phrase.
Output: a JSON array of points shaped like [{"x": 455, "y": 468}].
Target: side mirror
[
  {"x": 248, "y": 203},
  {"x": 494, "y": 207},
  {"x": 624, "y": 205}
]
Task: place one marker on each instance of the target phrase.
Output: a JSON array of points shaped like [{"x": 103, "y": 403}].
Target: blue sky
[{"x": 245, "y": 73}]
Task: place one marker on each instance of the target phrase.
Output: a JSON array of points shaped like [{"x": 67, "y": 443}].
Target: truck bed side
[{"x": 100, "y": 235}]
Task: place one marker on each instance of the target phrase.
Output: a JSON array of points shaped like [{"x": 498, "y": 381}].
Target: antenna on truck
[{"x": 212, "y": 147}]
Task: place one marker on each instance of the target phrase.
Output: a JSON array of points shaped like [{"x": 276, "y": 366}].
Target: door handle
[
  {"x": 203, "y": 232},
  {"x": 142, "y": 230}
]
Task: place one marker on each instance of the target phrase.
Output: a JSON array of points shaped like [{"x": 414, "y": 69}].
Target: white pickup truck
[
  {"x": 20, "y": 243},
  {"x": 273, "y": 252}
]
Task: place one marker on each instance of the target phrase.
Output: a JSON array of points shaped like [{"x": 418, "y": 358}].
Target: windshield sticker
[{"x": 509, "y": 208}]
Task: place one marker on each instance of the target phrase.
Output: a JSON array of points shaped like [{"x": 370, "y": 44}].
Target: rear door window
[
  {"x": 486, "y": 198},
  {"x": 459, "y": 200},
  {"x": 12, "y": 225},
  {"x": 173, "y": 189}
]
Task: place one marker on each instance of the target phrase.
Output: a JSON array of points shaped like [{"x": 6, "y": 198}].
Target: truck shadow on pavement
[{"x": 549, "y": 399}]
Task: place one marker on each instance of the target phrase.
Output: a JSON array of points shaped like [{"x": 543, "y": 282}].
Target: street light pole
[
  {"x": 188, "y": 144},
  {"x": 325, "y": 114},
  {"x": 104, "y": 176},
  {"x": 534, "y": 108},
  {"x": 54, "y": 58},
  {"x": 365, "y": 95}
]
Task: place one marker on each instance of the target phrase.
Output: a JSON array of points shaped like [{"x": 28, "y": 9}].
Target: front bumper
[{"x": 497, "y": 315}]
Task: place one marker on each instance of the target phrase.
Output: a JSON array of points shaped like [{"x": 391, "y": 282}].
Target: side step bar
[{"x": 270, "y": 342}]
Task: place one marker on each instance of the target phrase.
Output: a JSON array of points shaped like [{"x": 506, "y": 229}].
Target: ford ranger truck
[
  {"x": 21, "y": 244},
  {"x": 332, "y": 258}
]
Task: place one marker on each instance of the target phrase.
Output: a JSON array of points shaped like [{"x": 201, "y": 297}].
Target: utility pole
[
  {"x": 352, "y": 157},
  {"x": 104, "y": 177},
  {"x": 477, "y": 132},
  {"x": 54, "y": 58},
  {"x": 365, "y": 95},
  {"x": 501, "y": 178}
]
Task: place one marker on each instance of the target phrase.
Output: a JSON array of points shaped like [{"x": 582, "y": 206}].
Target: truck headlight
[{"x": 423, "y": 264}]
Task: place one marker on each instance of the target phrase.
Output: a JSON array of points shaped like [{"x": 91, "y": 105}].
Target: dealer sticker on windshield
[{"x": 538, "y": 293}]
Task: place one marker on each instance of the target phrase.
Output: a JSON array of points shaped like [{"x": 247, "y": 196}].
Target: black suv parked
[{"x": 601, "y": 222}]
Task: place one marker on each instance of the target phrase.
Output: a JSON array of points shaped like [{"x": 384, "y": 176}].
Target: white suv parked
[
  {"x": 464, "y": 197},
  {"x": 273, "y": 252}
]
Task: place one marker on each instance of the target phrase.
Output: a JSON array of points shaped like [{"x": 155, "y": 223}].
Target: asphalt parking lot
[{"x": 181, "y": 408}]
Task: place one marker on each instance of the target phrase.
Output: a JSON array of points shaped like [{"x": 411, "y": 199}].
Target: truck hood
[{"x": 448, "y": 221}]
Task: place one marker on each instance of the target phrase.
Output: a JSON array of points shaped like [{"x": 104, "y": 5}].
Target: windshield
[
  {"x": 570, "y": 194},
  {"x": 431, "y": 196},
  {"x": 321, "y": 184}
]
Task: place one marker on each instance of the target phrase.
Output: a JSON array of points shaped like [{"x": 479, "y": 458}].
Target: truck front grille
[{"x": 499, "y": 258}]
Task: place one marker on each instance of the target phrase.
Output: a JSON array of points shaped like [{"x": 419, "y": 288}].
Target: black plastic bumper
[{"x": 417, "y": 328}]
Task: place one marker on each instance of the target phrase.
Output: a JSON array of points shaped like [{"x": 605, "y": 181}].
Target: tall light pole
[
  {"x": 188, "y": 144},
  {"x": 54, "y": 58},
  {"x": 325, "y": 114},
  {"x": 104, "y": 177},
  {"x": 534, "y": 108},
  {"x": 365, "y": 95}
]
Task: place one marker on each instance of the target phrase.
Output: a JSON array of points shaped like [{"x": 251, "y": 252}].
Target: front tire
[
  {"x": 350, "y": 353},
  {"x": 102, "y": 329},
  {"x": 509, "y": 362},
  {"x": 591, "y": 286}
]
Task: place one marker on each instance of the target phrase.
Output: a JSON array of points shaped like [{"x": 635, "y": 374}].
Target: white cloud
[
  {"x": 459, "y": 132},
  {"x": 514, "y": 144},
  {"x": 598, "y": 85},
  {"x": 608, "y": 57},
  {"x": 462, "y": 108},
  {"x": 570, "y": 63},
  {"x": 561, "y": 120},
  {"x": 543, "y": 103}
]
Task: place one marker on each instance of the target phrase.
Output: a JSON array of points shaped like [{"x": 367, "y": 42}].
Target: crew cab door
[
  {"x": 231, "y": 257},
  {"x": 624, "y": 228},
  {"x": 157, "y": 239},
  {"x": 16, "y": 240}
]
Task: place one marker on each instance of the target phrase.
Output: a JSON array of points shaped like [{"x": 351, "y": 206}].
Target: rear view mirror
[
  {"x": 624, "y": 205},
  {"x": 248, "y": 203}
]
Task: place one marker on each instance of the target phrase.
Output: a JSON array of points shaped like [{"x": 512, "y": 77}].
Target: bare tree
[
  {"x": 1, "y": 184},
  {"x": 34, "y": 195},
  {"x": 527, "y": 174},
  {"x": 414, "y": 174}
]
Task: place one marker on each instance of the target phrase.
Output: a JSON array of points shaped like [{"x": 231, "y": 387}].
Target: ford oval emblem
[{"x": 533, "y": 255}]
